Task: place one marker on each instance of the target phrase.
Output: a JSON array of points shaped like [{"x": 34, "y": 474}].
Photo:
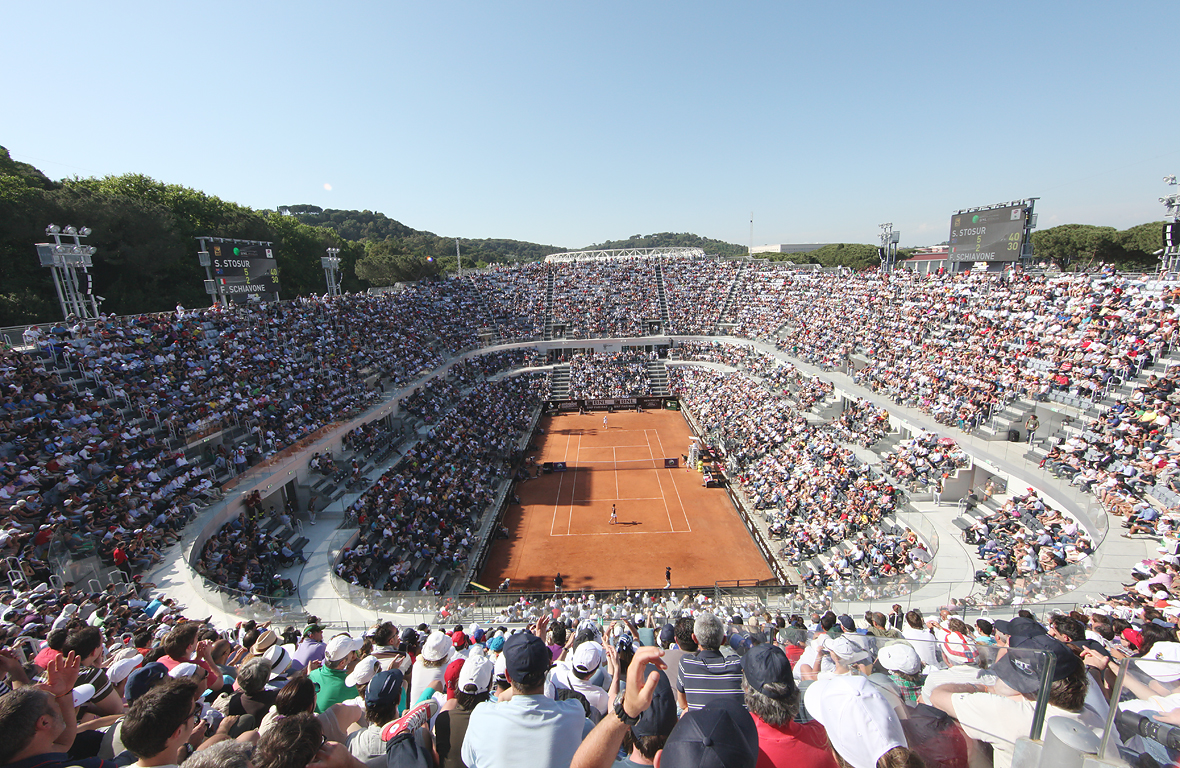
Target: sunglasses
[{"x": 196, "y": 712}]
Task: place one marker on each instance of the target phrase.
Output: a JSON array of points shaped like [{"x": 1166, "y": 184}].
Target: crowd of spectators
[
  {"x": 696, "y": 290},
  {"x": 861, "y": 423},
  {"x": 1025, "y": 537},
  {"x": 605, "y": 298},
  {"x": 419, "y": 517},
  {"x": 470, "y": 370},
  {"x": 814, "y": 494},
  {"x": 431, "y": 400},
  {"x": 123, "y": 677},
  {"x": 610, "y": 374},
  {"x": 515, "y": 297},
  {"x": 924, "y": 461},
  {"x": 78, "y": 476},
  {"x": 88, "y": 464}
]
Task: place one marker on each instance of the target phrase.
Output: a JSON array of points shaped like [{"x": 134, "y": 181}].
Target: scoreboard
[
  {"x": 244, "y": 271},
  {"x": 996, "y": 234}
]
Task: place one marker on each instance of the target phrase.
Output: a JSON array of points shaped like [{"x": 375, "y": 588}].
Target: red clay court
[{"x": 666, "y": 517}]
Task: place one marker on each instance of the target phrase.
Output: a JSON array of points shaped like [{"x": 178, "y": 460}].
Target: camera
[{"x": 1134, "y": 724}]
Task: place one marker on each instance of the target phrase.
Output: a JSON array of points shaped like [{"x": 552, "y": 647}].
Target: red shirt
[
  {"x": 171, "y": 663},
  {"x": 45, "y": 656},
  {"x": 793, "y": 745}
]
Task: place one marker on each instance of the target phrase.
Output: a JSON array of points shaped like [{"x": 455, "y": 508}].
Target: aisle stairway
[
  {"x": 657, "y": 372},
  {"x": 559, "y": 382},
  {"x": 727, "y": 305},
  {"x": 550, "y": 280},
  {"x": 665, "y": 317}
]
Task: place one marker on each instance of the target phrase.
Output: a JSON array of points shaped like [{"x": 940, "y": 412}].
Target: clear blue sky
[{"x": 570, "y": 124}]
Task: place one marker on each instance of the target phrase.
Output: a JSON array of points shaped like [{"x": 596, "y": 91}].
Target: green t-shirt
[{"x": 333, "y": 689}]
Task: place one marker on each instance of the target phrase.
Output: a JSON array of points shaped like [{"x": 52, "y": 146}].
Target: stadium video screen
[{"x": 994, "y": 235}]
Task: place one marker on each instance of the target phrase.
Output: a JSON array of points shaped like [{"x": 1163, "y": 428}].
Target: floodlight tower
[
  {"x": 1170, "y": 253},
  {"x": 75, "y": 292},
  {"x": 888, "y": 250},
  {"x": 331, "y": 265}
]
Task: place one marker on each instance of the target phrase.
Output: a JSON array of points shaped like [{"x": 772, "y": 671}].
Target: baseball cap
[
  {"x": 846, "y": 649},
  {"x": 1022, "y": 666},
  {"x": 846, "y": 622},
  {"x": 311, "y": 628},
  {"x": 588, "y": 656},
  {"x": 768, "y": 664},
  {"x": 341, "y": 645},
  {"x": 437, "y": 647},
  {"x": 525, "y": 654},
  {"x": 185, "y": 669},
  {"x": 1019, "y": 627},
  {"x": 859, "y": 720},
  {"x": 900, "y": 657},
  {"x": 459, "y": 640},
  {"x": 496, "y": 643},
  {"x": 141, "y": 680},
  {"x": 119, "y": 671},
  {"x": 476, "y": 675},
  {"x": 667, "y": 634},
  {"x": 451, "y": 676},
  {"x": 384, "y": 688},
  {"x": 660, "y": 717},
  {"x": 721, "y": 734},
  {"x": 82, "y": 694},
  {"x": 363, "y": 672}
]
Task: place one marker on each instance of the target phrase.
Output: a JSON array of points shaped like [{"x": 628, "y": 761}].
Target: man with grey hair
[
  {"x": 772, "y": 696},
  {"x": 225, "y": 754},
  {"x": 707, "y": 675},
  {"x": 254, "y": 698}
]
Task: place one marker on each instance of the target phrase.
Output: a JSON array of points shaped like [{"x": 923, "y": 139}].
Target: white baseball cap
[{"x": 341, "y": 645}]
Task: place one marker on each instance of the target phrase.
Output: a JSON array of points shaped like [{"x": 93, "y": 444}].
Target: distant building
[
  {"x": 926, "y": 260},
  {"x": 788, "y": 248}
]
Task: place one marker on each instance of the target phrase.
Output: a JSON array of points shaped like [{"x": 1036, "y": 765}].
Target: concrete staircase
[
  {"x": 665, "y": 317},
  {"x": 727, "y": 305},
  {"x": 657, "y": 373},
  {"x": 559, "y": 382},
  {"x": 550, "y": 280}
]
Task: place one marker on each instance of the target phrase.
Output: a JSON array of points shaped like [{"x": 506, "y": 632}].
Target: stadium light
[
  {"x": 75, "y": 292},
  {"x": 331, "y": 265}
]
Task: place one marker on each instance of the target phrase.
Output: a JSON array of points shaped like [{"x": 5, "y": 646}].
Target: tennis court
[{"x": 664, "y": 517}]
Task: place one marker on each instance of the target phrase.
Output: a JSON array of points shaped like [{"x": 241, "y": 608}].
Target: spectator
[
  {"x": 39, "y": 723},
  {"x": 707, "y": 674},
  {"x": 160, "y": 723},
  {"x": 864, "y": 730},
  {"x": 772, "y": 697},
  {"x": 1002, "y": 714},
  {"x": 528, "y": 723},
  {"x": 341, "y": 653},
  {"x": 312, "y": 647},
  {"x": 722, "y": 733},
  {"x": 450, "y": 727},
  {"x": 382, "y": 696}
]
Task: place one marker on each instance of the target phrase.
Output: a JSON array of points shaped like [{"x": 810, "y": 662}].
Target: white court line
[
  {"x": 569, "y": 526},
  {"x": 624, "y": 533},
  {"x": 683, "y": 510},
  {"x": 637, "y": 498},
  {"x": 614, "y": 454},
  {"x": 557, "y": 497},
  {"x": 667, "y": 511}
]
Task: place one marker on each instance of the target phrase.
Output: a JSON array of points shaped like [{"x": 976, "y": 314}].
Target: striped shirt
[{"x": 707, "y": 674}]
